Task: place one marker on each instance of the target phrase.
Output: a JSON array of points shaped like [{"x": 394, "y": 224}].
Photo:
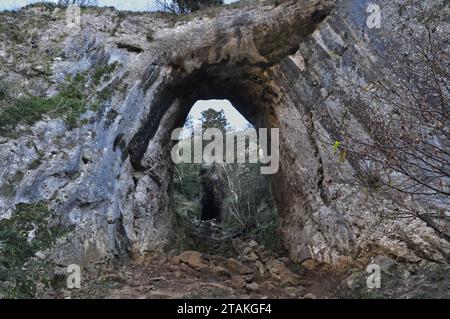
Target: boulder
[
  {"x": 220, "y": 271},
  {"x": 309, "y": 264},
  {"x": 260, "y": 267},
  {"x": 238, "y": 282},
  {"x": 282, "y": 273},
  {"x": 237, "y": 267},
  {"x": 252, "y": 244},
  {"x": 191, "y": 258},
  {"x": 252, "y": 287}
]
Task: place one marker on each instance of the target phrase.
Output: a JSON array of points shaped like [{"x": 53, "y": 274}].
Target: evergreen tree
[{"x": 214, "y": 119}]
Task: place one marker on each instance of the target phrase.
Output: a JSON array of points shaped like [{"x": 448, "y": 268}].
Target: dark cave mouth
[
  {"x": 209, "y": 208},
  {"x": 211, "y": 203}
]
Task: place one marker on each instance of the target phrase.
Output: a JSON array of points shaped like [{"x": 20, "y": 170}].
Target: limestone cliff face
[{"x": 279, "y": 64}]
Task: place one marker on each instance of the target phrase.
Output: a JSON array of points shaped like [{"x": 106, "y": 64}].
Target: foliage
[
  {"x": 266, "y": 229},
  {"x": 70, "y": 103},
  {"x": 245, "y": 191},
  {"x": 247, "y": 201},
  {"x": 423, "y": 281},
  {"x": 9, "y": 187},
  {"x": 211, "y": 118},
  {"x": 239, "y": 192},
  {"x": 187, "y": 180},
  {"x": 19, "y": 270},
  {"x": 47, "y": 4},
  {"x": 101, "y": 72},
  {"x": 74, "y": 99},
  {"x": 81, "y": 3},
  {"x": 248, "y": 204},
  {"x": 404, "y": 108},
  {"x": 187, "y": 6},
  {"x": 409, "y": 114},
  {"x": 214, "y": 119}
]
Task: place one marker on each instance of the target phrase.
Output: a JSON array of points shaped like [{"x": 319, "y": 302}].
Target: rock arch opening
[
  {"x": 223, "y": 198},
  {"x": 252, "y": 93},
  {"x": 270, "y": 87},
  {"x": 282, "y": 65}
]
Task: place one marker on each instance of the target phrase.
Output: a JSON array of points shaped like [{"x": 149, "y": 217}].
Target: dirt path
[{"x": 254, "y": 273}]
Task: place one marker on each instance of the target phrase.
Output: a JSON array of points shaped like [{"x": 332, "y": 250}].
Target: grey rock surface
[{"x": 280, "y": 65}]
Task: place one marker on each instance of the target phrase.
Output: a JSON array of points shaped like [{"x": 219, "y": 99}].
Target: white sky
[
  {"x": 236, "y": 120},
  {"x": 119, "y": 4}
]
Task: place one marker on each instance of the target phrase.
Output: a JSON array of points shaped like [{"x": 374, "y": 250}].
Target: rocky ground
[
  {"x": 252, "y": 272},
  {"x": 256, "y": 272}
]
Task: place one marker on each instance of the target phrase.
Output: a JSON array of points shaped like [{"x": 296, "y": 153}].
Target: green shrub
[
  {"x": 74, "y": 98},
  {"x": 104, "y": 94},
  {"x": 101, "y": 72},
  {"x": 19, "y": 271},
  {"x": 70, "y": 103}
]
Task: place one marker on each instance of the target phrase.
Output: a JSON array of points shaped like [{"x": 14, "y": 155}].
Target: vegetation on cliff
[
  {"x": 74, "y": 99},
  {"x": 24, "y": 238}
]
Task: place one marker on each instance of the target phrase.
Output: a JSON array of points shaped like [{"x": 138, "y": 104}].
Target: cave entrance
[
  {"x": 233, "y": 196},
  {"x": 178, "y": 203},
  {"x": 211, "y": 204}
]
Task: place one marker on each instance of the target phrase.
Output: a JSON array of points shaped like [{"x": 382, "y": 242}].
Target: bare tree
[
  {"x": 404, "y": 110},
  {"x": 185, "y": 6},
  {"x": 81, "y": 3},
  {"x": 244, "y": 190}
]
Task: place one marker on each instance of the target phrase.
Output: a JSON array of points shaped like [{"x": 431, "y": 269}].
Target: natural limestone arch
[
  {"x": 258, "y": 59},
  {"x": 234, "y": 62},
  {"x": 277, "y": 63},
  {"x": 252, "y": 58}
]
